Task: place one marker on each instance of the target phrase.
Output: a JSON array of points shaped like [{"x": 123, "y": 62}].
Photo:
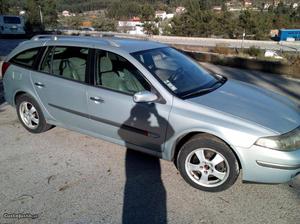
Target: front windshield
[{"x": 178, "y": 72}]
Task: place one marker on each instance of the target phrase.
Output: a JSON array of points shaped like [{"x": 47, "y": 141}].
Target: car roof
[{"x": 125, "y": 44}]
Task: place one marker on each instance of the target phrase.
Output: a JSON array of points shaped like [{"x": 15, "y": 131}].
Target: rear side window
[
  {"x": 26, "y": 58},
  {"x": 11, "y": 20},
  {"x": 67, "y": 62}
]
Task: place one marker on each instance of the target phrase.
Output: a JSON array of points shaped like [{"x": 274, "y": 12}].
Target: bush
[
  {"x": 292, "y": 58},
  {"x": 253, "y": 51},
  {"x": 222, "y": 49}
]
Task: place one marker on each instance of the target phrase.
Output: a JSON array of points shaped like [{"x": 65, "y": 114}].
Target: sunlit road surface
[{"x": 64, "y": 177}]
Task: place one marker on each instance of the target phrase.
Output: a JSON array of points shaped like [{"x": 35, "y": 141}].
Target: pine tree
[{"x": 33, "y": 19}]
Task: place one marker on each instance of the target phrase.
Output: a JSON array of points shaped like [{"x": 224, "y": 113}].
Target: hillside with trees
[{"x": 199, "y": 19}]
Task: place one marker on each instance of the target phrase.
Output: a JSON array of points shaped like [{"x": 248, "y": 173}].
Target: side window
[
  {"x": 67, "y": 62},
  {"x": 117, "y": 73},
  {"x": 26, "y": 58}
]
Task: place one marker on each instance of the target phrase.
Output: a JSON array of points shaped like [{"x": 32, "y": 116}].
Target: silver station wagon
[{"x": 150, "y": 97}]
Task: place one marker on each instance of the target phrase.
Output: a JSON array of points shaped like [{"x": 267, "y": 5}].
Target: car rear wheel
[
  {"x": 30, "y": 114},
  {"x": 207, "y": 163}
]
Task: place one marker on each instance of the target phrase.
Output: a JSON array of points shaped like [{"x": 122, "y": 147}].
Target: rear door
[
  {"x": 61, "y": 85},
  {"x": 112, "y": 110}
]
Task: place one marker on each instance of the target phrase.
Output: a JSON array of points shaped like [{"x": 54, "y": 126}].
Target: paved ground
[{"x": 66, "y": 177}]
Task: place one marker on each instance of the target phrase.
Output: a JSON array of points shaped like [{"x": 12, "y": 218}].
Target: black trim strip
[{"x": 122, "y": 126}]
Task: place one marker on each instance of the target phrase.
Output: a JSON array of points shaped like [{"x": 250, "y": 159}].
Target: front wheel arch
[
  {"x": 186, "y": 137},
  {"x": 201, "y": 171}
]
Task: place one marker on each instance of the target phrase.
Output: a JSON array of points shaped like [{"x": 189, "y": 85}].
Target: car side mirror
[{"x": 144, "y": 97}]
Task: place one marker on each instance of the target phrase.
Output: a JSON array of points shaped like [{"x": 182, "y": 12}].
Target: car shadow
[
  {"x": 276, "y": 82},
  {"x": 144, "y": 192}
]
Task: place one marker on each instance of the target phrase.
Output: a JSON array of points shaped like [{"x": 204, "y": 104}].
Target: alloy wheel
[
  {"x": 207, "y": 167},
  {"x": 29, "y": 115}
]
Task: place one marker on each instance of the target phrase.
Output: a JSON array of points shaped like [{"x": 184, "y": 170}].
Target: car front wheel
[{"x": 207, "y": 163}]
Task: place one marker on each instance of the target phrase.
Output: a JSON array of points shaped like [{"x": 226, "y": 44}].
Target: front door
[{"x": 114, "y": 113}]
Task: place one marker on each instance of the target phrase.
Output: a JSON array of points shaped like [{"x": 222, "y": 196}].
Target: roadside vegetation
[
  {"x": 198, "y": 20},
  {"x": 204, "y": 22}
]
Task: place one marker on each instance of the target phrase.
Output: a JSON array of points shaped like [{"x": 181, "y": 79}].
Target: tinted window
[
  {"x": 26, "y": 58},
  {"x": 67, "y": 62},
  {"x": 117, "y": 73},
  {"x": 178, "y": 72},
  {"x": 11, "y": 20}
]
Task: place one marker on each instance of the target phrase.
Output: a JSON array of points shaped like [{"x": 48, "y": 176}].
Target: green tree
[
  {"x": 226, "y": 25},
  {"x": 72, "y": 21},
  {"x": 194, "y": 22},
  {"x": 33, "y": 21},
  {"x": 4, "y": 6},
  {"x": 147, "y": 12},
  {"x": 119, "y": 10},
  {"x": 150, "y": 28},
  {"x": 49, "y": 11},
  {"x": 103, "y": 23},
  {"x": 255, "y": 25}
]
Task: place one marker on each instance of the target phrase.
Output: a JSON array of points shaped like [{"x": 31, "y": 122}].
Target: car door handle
[
  {"x": 39, "y": 84},
  {"x": 96, "y": 99}
]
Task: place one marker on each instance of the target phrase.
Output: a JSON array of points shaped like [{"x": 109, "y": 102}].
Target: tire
[
  {"x": 31, "y": 118},
  {"x": 207, "y": 163}
]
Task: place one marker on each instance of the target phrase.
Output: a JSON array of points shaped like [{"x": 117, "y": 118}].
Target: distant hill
[{"x": 88, "y": 5}]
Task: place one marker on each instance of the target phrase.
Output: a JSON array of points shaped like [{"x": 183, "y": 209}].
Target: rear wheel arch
[
  {"x": 18, "y": 94},
  {"x": 188, "y": 136}
]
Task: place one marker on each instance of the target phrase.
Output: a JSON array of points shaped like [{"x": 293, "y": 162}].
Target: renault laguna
[{"x": 150, "y": 97}]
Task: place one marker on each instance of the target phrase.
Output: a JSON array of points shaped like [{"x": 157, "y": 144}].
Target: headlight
[{"x": 286, "y": 142}]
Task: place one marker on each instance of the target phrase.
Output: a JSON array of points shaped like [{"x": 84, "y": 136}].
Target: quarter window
[
  {"x": 67, "y": 62},
  {"x": 117, "y": 73},
  {"x": 26, "y": 58}
]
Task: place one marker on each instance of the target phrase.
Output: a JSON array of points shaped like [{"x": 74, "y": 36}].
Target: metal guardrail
[{"x": 196, "y": 41}]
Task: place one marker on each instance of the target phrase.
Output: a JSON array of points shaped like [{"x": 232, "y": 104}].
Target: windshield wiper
[{"x": 205, "y": 90}]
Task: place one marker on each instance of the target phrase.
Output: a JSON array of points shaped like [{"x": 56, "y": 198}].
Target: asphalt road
[
  {"x": 232, "y": 43},
  {"x": 65, "y": 177},
  {"x": 7, "y": 45}
]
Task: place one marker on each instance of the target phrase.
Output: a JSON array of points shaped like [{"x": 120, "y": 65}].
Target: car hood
[{"x": 253, "y": 104}]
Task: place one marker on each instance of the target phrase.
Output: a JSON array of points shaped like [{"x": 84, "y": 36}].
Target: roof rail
[
  {"x": 111, "y": 42},
  {"x": 39, "y": 37},
  {"x": 107, "y": 39}
]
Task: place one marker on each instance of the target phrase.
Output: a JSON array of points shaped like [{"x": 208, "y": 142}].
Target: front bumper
[{"x": 265, "y": 165}]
